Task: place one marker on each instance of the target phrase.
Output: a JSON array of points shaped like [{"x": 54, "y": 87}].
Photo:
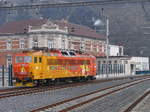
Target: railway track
[
  {"x": 102, "y": 80},
  {"x": 23, "y": 88},
  {"x": 137, "y": 101},
  {"x": 76, "y": 102},
  {"x": 24, "y": 91},
  {"x": 11, "y": 89}
]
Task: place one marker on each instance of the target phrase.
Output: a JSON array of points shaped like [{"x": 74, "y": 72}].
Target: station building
[
  {"x": 115, "y": 50},
  {"x": 121, "y": 65},
  {"x": 26, "y": 34},
  {"x": 60, "y": 34}
]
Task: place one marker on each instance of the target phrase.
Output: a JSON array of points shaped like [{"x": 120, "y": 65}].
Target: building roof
[
  {"x": 114, "y": 57},
  {"x": 79, "y": 30},
  {"x": 19, "y": 27}
]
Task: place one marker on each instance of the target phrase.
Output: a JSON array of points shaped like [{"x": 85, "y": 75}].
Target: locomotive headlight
[{"x": 36, "y": 67}]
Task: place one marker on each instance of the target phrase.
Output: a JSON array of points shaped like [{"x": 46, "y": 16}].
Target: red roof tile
[{"x": 22, "y": 27}]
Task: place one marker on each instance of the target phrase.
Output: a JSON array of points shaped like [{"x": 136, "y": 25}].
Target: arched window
[
  {"x": 50, "y": 43},
  {"x": 9, "y": 44},
  {"x": 22, "y": 44},
  {"x": 35, "y": 42},
  {"x": 63, "y": 44}
]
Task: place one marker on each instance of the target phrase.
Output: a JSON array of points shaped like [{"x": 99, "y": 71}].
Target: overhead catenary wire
[{"x": 70, "y": 4}]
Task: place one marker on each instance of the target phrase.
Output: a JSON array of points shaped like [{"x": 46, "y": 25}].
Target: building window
[
  {"x": 120, "y": 51},
  {"x": 82, "y": 46},
  {"x": 63, "y": 43},
  {"x": 69, "y": 44},
  {"x": 35, "y": 42},
  {"x": 109, "y": 62},
  {"x": 97, "y": 48},
  {"x": 22, "y": 44},
  {"x": 9, "y": 45},
  {"x": 115, "y": 61},
  {"x": 50, "y": 43},
  {"x": 9, "y": 60}
]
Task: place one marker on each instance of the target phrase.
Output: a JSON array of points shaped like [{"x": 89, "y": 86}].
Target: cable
[{"x": 70, "y": 4}]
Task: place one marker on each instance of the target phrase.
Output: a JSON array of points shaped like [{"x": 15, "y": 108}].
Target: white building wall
[
  {"x": 42, "y": 41},
  {"x": 66, "y": 42},
  {"x": 128, "y": 68},
  {"x": 58, "y": 42},
  {"x": 30, "y": 42},
  {"x": 115, "y": 50},
  {"x": 141, "y": 63}
]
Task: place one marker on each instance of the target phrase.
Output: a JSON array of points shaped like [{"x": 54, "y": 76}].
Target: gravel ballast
[
  {"x": 29, "y": 102},
  {"x": 143, "y": 106},
  {"x": 116, "y": 102}
]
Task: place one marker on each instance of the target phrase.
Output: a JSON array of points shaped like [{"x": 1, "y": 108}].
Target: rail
[{"x": 76, "y": 102}]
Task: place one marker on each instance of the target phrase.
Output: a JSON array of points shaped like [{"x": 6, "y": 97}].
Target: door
[
  {"x": 8, "y": 60},
  {"x": 37, "y": 67}
]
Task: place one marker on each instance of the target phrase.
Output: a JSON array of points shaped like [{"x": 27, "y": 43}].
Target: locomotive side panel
[{"x": 61, "y": 67}]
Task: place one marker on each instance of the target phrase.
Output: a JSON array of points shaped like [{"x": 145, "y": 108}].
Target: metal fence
[
  {"x": 6, "y": 76},
  {"x": 112, "y": 68}
]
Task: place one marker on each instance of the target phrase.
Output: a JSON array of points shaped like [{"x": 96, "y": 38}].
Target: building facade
[
  {"x": 141, "y": 63},
  {"x": 116, "y": 50},
  {"x": 121, "y": 66},
  {"x": 24, "y": 35}
]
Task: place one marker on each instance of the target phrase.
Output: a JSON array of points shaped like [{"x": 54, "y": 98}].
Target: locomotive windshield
[{"x": 23, "y": 59}]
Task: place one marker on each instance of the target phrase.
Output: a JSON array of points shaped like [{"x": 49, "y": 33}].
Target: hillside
[{"x": 127, "y": 21}]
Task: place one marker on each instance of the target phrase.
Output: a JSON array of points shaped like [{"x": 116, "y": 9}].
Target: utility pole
[
  {"x": 107, "y": 42},
  {"x": 107, "y": 46}
]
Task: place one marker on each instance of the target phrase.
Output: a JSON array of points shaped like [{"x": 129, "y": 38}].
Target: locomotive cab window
[
  {"x": 40, "y": 59},
  {"x": 27, "y": 59},
  {"x": 23, "y": 59},
  {"x": 35, "y": 59},
  {"x": 19, "y": 59}
]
